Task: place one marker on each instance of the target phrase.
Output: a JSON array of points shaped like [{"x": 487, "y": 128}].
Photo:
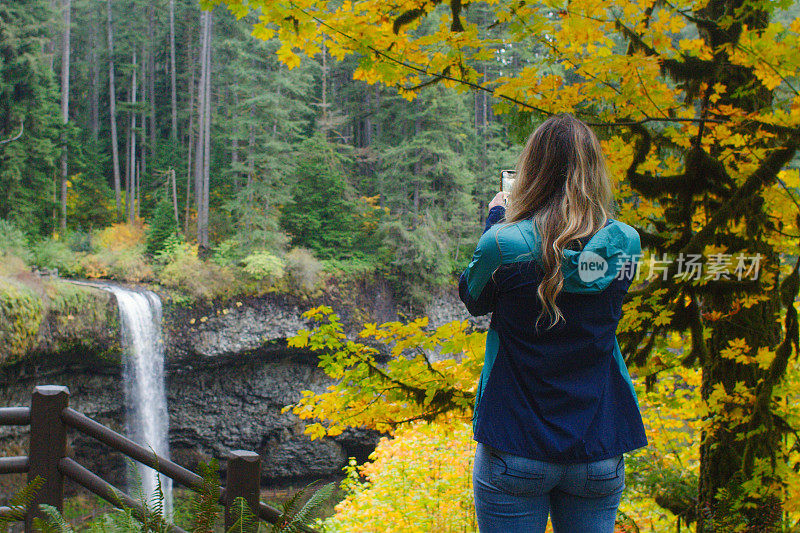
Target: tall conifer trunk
[
  {"x": 112, "y": 111},
  {"x": 190, "y": 141},
  {"x": 151, "y": 80},
  {"x": 198, "y": 155},
  {"x": 172, "y": 69},
  {"x": 94, "y": 65},
  {"x": 130, "y": 172},
  {"x": 65, "y": 55},
  {"x": 207, "y": 140}
]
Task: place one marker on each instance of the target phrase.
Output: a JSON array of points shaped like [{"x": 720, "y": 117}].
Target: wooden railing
[{"x": 50, "y": 416}]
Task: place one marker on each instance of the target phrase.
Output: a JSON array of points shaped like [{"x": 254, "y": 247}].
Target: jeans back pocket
[
  {"x": 516, "y": 475},
  {"x": 606, "y": 476}
]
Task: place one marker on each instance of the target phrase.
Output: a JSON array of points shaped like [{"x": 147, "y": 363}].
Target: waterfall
[{"x": 147, "y": 421}]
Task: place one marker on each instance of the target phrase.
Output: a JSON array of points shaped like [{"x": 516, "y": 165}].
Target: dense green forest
[{"x": 157, "y": 113}]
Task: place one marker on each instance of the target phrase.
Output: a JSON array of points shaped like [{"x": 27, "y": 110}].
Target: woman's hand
[{"x": 499, "y": 200}]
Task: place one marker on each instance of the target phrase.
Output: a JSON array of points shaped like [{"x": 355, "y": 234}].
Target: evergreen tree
[
  {"x": 320, "y": 215},
  {"x": 162, "y": 227},
  {"x": 28, "y": 116}
]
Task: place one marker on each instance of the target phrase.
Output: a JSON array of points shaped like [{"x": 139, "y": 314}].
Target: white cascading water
[{"x": 147, "y": 420}]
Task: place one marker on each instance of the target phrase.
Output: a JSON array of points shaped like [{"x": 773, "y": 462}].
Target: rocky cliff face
[{"x": 229, "y": 374}]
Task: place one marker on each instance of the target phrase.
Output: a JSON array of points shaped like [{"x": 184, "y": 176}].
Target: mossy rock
[
  {"x": 21, "y": 314},
  {"x": 56, "y": 321}
]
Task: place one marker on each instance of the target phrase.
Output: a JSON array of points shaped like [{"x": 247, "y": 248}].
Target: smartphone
[{"x": 507, "y": 178}]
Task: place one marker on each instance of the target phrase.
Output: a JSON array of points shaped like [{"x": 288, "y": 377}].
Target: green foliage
[
  {"x": 262, "y": 265},
  {"x": 294, "y": 516},
  {"x": 171, "y": 248},
  {"x": 56, "y": 254},
  {"x": 420, "y": 258},
  {"x": 204, "y": 505},
  {"x": 320, "y": 216},
  {"x": 19, "y": 503},
  {"x": 245, "y": 521},
  {"x": 28, "y": 102},
  {"x": 228, "y": 253},
  {"x": 90, "y": 201},
  {"x": 13, "y": 242},
  {"x": 302, "y": 269},
  {"x": 53, "y": 521},
  {"x": 162, "y": 227},
  {"x": 203, "y": 514}
]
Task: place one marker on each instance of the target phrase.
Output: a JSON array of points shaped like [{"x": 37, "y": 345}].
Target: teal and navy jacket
[{"x": 561, "y": 395}]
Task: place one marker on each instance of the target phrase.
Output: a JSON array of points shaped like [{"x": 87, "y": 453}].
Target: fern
[
  {"x": 204, "y": 505},
  {"x": 153, "y": 507},
  {"x": 52, "y": 522},
  {"x": 292, "y": 505},
  {"x": 291, "y": 519},
  {"x": 157, "y": 500},
  {"x": 246, "y": 521},
  {"x": 20, "y": 502},
  {"x": 312, "y": 506}
]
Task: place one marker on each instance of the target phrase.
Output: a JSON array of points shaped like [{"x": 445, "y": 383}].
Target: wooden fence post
[
  {"x": 48, "y": 444},
  {"x": 243, "y": 481}
]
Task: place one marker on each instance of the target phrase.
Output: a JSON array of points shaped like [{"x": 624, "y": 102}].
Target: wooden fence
[{"x": 50, "y": 417}]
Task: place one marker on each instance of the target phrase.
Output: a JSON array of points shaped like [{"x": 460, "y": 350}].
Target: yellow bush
[
  {"x": 94, "y": 266},
  {"x": 118, "y": 237},
  {"x": 129, "y": 265},
  {"x": 418, "y": 481},
  {"x": 202, "y": 280}
]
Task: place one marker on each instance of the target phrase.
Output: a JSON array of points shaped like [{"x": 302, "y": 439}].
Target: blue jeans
[{"x": 515, "y": 494}]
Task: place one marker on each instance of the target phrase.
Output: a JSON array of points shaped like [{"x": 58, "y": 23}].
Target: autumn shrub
[
  {"x": 118, "y": 252},
  {"x": 94, "y": 266},
  {"x": 129, "y": 265},
  {"x": 419, "y": 481},
  {"x": 185, "y": 272},
  {"x": 121, "y": 236},
  {"x": 302, "y": 270},
  {"x": 263, "y": 266}
]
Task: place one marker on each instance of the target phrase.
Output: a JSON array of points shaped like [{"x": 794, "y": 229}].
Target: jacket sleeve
[
  {"x": 613, "y": 254},
  {"x": 476, "y": 288}
]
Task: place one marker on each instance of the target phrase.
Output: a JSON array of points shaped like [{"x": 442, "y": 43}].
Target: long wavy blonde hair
[{"x": 563, "y": 185}]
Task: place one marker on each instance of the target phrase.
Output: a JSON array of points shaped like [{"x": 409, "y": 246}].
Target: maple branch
[
  {"x": 705, "y": 23},
  {"x": 647, "y": 94},
  {"x": 773, "y": 68},
  {"x": 479, "y": 87},
  {"x": 21, "y": 129},
  {"x": 690, "y": 68}
]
